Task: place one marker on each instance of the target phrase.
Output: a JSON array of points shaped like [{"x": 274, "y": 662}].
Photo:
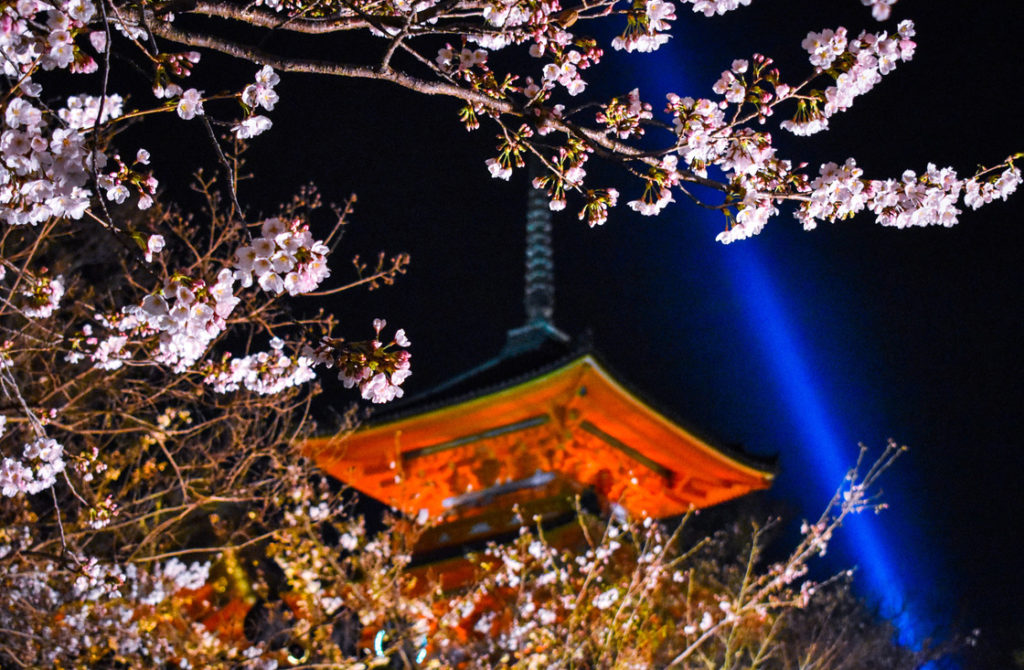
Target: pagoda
[{"x": 529, "y": 434}]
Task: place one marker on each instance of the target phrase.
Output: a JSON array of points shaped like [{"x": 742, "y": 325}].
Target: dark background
[{"x": 796, "y": 344}]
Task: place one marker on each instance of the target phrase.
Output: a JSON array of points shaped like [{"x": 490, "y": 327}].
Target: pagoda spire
[
  {"x": 539, "y": 297},
  {"x": 538, "y": 294},
  {"x": 539, "y": 285}
]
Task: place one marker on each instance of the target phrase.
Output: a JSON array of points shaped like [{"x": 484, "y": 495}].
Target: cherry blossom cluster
[
  {"x": 568, "y": 174},
  {"x": 562, "y": 605},
  {"x": 43, "y": 460},
  {"x": 700, "y": 126},
  {"x": 857, "y": 65},
  {"x": 543, "y": 24},
  {"x": 569, "y": 55},
  {"x": 82, "y": 112},
  {"x": 185, "y": 576},
  {"x": 712, "y": 7},
  {"x": 658, "y": 188},
  {"x": 624, "y": 117},
  {"x": 108, "y": 353},
  {"x": 117, "y": 182},
  {"x": 42, "y": 296},
  {"x": 285, "y": 258},
  {"x": 515, "y": 13},
  {"x": 566, "y": 70},
  {"x": 254, "y": 96},
  {"x": 265, "y": 372},
  {"x": 378, "y": 373},
  {"x": 756, "y": 178},
  {"x": 585, "y": 602},
  {"x": 647, "y": 26},
  {"x": 169, "y": 68},
  {"x": 754, "y": 206},
  {"x": 453, "y": 61},
  {"x": 930, "y": 199},
  {"x": 731, "y": 85},
  {"x": 45, "y": 166},
  {"x": 96, "y": 605},
  {"x": 378, "y": 369},
  {"x": 510, "y": 17},
  {"x": 187, "y": 314},
  {"x": 172, "y": 67},
  {"x": 880, "y": 9},
  {"x": 102, "y": 512},
  {"x": 190, "y": 104},
  {"x": 511, "y": 151},
  {"x": 59, "y": 162},
  {"x": 598, "y": 201},
  {"x": 979, "y": 191},
  {"x": 913, "y": 200},
  {"x": 28, "y": 40},
  {"x": 633, "y": 593},
  {"x": 46, "y": 163},
  {"x": 45, "y": 176},
  {"x": 44, "y": 170}
]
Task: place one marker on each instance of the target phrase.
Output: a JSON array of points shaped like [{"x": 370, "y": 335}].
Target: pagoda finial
[
  {"x": 539, "y": 295},
  {"x": 539, "y": 298}
]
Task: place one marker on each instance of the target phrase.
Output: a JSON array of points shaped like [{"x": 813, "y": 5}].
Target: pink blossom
[
  {"x": 712, "y": 7},
  {"x": 43, "y": 296},
  {"x": 880, "y": 9},
  {"x": 262, "y": 94},
  {"x": 251, "y": 127},
  {"x": 497, "y": 169},
  {"x": 286, "y": 258},
  {"x": 190, "y": 104}
]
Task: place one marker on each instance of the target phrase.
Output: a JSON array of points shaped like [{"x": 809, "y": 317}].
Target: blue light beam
[
  {"x": 828, "y": 455},
  {"x": 827, "y": 451}
]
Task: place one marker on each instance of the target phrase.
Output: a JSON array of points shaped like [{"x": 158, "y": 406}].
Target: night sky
[{"x": 796, "y": 344}]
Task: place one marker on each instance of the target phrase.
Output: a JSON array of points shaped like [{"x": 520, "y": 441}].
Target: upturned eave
[{"x": 575, "y": 422}]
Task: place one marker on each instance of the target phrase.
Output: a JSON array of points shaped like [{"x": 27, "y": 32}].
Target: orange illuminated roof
[{"x": 574, "y": 423}]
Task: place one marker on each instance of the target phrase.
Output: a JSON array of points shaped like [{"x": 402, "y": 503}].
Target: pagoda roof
[{"x": 540, "y": 413}]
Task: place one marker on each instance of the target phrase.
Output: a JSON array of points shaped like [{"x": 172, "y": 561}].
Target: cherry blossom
[
  {"x": 190, "y": 104},
  {"x": 880, "y": 9},
  {"x": 712, "y": 7},
  {"x": 43, "y": 296},
  {"x": 265, "y": 373},
  {"x": 978, "y": 192},
  {"x": 154, "y": 245},
  {"x": 854, "y": 64},
  {"x": 251, "y": 127},
  {"x": 647, "y": 31},
  {"x": 43, "y": 461},
  {"x": 262, "y": 94},
  {"x": 625, "y": 117},
  {"x": 378, "y": 369},
  {"x": 285, "y": 258},
  {"x": 186, "y": 314}
]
